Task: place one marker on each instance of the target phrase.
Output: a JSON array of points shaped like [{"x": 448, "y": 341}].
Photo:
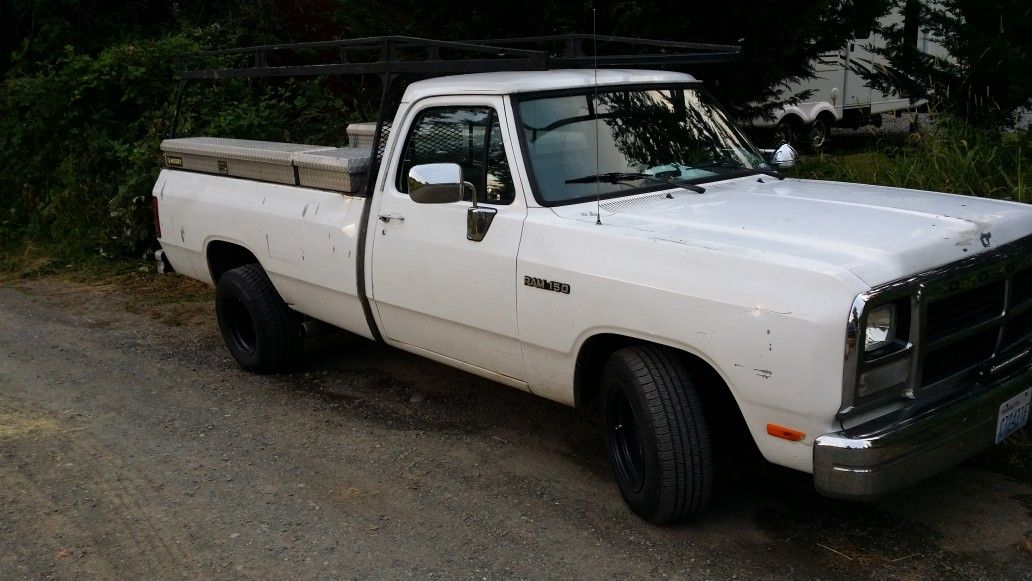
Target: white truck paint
[{"x": 757, "y": 277}]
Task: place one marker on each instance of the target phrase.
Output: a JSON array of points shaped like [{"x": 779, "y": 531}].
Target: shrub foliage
[{"x": 950, "y": 155}]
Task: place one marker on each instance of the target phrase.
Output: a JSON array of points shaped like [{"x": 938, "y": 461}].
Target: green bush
[
  {"x": 79, "y": 140},
  {"x": 74, "y": 138},
  {"x": 947, "y": 156}
]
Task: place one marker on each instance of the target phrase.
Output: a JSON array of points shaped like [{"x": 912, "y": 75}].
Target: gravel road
[{"x": 132, "y": 447}]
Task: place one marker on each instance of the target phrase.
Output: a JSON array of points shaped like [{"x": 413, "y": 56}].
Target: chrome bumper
[{"x": 898, "y": 450}]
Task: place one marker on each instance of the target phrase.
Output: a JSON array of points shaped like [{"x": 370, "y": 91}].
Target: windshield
[{"x": 646, "y": 139}]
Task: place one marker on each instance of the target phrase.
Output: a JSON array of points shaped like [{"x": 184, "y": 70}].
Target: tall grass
[{"x": 946, "y": 156}]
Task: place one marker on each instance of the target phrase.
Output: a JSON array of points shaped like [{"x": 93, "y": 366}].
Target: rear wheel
[
  {"x": 260, "y": 330},
  {"x": 656, "y": 434}
]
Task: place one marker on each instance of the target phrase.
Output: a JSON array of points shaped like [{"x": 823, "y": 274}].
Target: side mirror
[
  {"x": 784, "y": 156},
  {"x": 435, "y": 183}
]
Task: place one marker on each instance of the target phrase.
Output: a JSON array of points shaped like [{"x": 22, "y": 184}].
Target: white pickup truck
[{"x": 610, "y": 236}]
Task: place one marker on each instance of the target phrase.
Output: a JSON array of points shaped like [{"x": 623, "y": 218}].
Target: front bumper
[{"x": 903, "y": 448}]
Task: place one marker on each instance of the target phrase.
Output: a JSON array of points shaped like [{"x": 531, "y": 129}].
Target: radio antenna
[{"x": 594, "y": 110}]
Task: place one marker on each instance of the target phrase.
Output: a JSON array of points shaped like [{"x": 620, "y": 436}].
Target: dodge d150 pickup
[{"x": 611, "y": 236}]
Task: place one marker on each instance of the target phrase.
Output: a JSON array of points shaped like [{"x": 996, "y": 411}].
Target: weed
[{"x": 947, "y": 156}]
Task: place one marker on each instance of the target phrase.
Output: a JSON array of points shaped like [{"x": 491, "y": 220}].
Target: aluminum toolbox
[
  {"x": 257, "y": 160},
  {"x": 342, "y": 170},
  {"x": 361, "y": 134}
]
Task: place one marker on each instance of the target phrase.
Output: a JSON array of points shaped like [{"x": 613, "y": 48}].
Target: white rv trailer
[{"x": 839, "y": 96}]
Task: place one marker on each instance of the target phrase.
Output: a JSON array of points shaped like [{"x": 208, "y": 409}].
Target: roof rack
[{"x": 389, "y": 55}]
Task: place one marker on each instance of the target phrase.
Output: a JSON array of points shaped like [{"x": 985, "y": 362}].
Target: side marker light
[{"x": 785, "y": 433}]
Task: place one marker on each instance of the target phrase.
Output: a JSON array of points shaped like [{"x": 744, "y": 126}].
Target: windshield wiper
[
  {"x": 615, "y": 177},
  {"x": 612, "y": 177},
  {"x": 682, "y": 184}
]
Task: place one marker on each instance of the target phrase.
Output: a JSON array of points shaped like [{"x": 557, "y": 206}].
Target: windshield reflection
[{"x": 627, "y": 141}]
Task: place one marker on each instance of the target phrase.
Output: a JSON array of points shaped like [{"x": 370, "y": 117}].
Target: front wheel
[
  {"x": 818, "y": 134},
  {"x": 260, "y": 330},
  {"x": 656, "y": 434},
  {"x": 786, "y": 131}
]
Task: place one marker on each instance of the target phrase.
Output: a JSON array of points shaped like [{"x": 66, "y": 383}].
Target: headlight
[{"x": 881, "y": 328}]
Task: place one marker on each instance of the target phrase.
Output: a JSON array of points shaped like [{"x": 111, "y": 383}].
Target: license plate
[{"x": 1013, "y": 414}]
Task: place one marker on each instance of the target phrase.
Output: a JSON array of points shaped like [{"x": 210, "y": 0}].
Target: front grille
[
  {"x": 960, "y": 311},
  {"x": 1019, "y": 330},
  {"x": 1022, "y": 286},
  {"x": 960, "y": 356},
  {"x": 972, "y": 318}
]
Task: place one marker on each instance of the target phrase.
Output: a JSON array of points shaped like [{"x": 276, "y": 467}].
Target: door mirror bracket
[{"x": 478, "y": 220}]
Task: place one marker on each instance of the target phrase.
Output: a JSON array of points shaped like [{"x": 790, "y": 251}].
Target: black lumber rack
[
  {"x": 388, "y": 55},
  {"x": 392, "y": 56}
]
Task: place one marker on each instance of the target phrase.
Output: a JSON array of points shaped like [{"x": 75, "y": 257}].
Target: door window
[{"x": 468, "y": 136}]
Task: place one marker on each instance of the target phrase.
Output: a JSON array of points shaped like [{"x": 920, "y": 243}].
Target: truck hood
[{"x": 878, "y": 233}]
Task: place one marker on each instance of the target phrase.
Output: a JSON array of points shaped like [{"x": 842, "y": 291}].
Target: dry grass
[{"x": 167, "y": 298}]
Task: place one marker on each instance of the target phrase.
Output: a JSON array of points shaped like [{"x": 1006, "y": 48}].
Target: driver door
[{"x": 435, "y": 289}]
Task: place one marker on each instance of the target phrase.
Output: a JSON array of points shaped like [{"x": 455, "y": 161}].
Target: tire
[
  {"x": 786, "y": 131},
  {"x": 818, "y": 134},
  {"x": 260, "y": 330},
  {"x": 656, "y": 435}
]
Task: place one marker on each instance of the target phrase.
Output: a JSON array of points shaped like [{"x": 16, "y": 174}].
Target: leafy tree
[
  {"x": 779, "y": 40},
  {"x": 986, "y": 77}
]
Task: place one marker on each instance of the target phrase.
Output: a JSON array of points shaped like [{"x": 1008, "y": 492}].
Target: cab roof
[{"x": 507, "y": 83}]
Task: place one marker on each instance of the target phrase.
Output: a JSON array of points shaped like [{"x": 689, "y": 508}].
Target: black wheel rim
[
  {"x": 241, "y": 327},
  {"x": 625, "y": 442}
]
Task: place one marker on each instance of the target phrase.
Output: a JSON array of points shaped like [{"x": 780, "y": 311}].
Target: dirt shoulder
[{"x": 131, "y": 446}]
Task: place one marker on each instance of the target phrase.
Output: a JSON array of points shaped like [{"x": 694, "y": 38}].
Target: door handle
[{"x": 388, "y": 217}]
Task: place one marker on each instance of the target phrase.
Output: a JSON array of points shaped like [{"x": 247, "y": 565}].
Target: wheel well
[
  {"x": 591, "y": 361},
  {"x": 725, "y": 419},
  {"x": 791, "y": 119},
  {"x": 828, "y": 117},
  {"x": 224, "y": 256}
]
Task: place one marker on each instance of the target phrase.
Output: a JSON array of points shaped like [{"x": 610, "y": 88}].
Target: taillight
[{"x": 154, "y": 216}]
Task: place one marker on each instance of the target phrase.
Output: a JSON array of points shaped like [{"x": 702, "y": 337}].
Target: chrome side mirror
[
  {"x": 435, "y": 183},
  {"x": 784, "y": 156}
]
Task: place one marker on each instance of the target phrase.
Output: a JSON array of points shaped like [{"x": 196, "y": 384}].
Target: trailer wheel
[
  {"x": 260, "y": 330},
  {"x": 658, "y": 442},
  {"x": 787, "y": 131},
  {"x": 817, "y": 134}
]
